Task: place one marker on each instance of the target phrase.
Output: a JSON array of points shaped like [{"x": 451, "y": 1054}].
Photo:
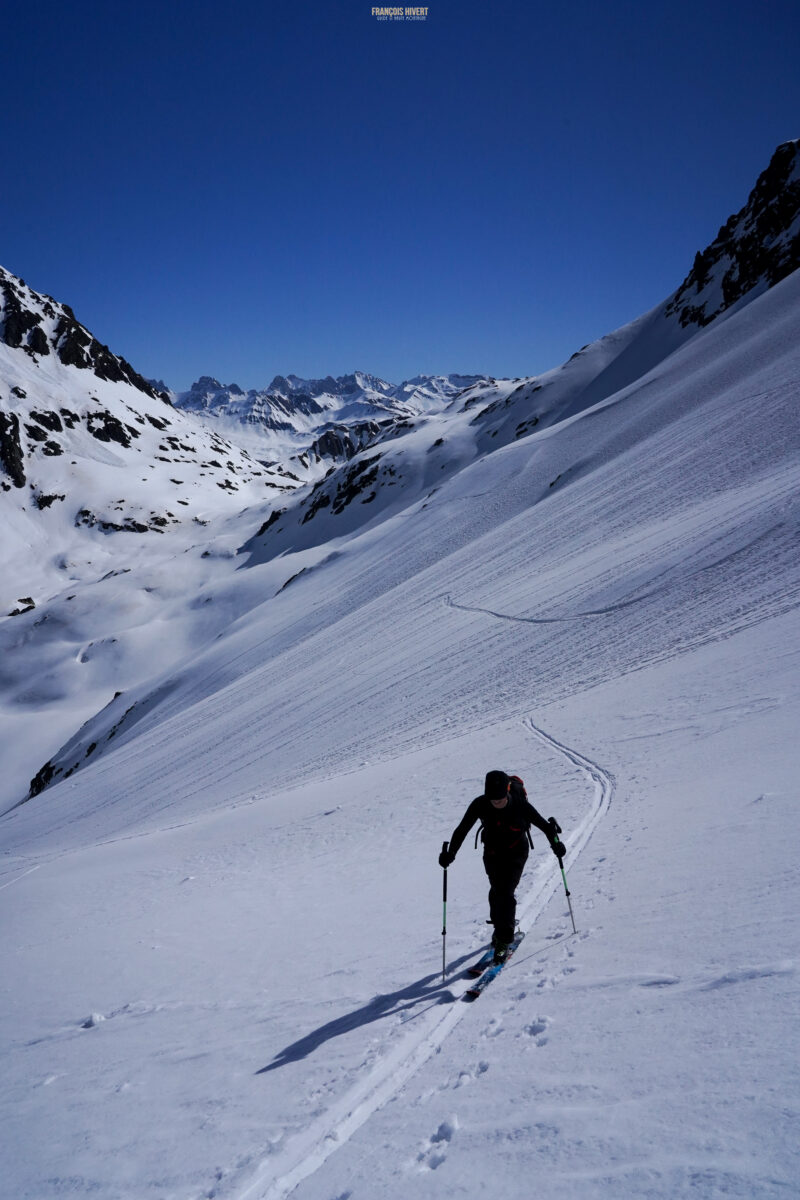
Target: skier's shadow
[{"x": 424, "y": 990}]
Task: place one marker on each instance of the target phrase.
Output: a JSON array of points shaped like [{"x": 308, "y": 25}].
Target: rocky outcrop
[
  {"x": 107, "y": 428},
  {"x": 40, "y": 325},
  {"x": 11, "y": 456},
  {"x": 759, "y": 245}
]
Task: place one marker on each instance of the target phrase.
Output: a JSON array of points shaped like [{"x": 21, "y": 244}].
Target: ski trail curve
[
  {"x": 603, "y": 785},
  {"x": 578, "y": 616},
  {"x": 305, "y": 1153}
]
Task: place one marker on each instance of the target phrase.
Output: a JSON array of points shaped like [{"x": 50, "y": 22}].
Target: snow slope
[
  {"x": 221, "y": 919},
  {"x": 291, "y": 785}
]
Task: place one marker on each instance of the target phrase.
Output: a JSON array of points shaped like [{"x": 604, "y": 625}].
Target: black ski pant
[{"x": 505, "y": 872}]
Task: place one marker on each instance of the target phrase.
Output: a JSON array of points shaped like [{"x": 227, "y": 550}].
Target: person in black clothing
[{"x": 506, "y": 815}]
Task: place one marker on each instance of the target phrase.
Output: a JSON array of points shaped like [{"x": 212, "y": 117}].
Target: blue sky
[{"x": 253, "y": 189}]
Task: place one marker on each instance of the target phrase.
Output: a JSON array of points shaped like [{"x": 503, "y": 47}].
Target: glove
[
  {"x": 554, "y": 825},
  {"x": 445, "y": 858},
  {"x": 558, "y": 848}
]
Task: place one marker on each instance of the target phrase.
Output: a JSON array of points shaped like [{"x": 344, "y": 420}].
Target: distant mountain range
[{"x": 304, "y": 426}]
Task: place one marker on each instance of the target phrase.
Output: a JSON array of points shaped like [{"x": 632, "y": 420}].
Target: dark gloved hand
[
  {"x": 445, "y": 858},
  {"x": 558, "y": 848},
  {"x": 554, "y": 825}
]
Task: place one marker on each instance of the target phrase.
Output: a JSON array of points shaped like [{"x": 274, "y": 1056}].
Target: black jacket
[{"x": 504, "y": 829}]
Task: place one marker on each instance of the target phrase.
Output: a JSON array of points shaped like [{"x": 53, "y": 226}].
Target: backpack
[{"x": 518, "y": 791}]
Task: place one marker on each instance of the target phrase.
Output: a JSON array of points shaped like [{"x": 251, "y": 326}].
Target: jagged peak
[
  {"x": 756, "y": 248},
  {"x": 37, "y": 325}
]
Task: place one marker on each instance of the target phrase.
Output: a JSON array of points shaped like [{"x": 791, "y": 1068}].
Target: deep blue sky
[{"x": 253, "y": 188}]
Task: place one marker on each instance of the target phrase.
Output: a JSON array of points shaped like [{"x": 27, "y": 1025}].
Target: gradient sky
[{"x": 251, "y": 189}]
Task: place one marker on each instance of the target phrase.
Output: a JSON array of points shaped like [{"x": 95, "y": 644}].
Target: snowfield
[{"x": 221, "y": 931}]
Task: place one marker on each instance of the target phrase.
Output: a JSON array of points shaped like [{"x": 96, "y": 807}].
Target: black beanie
[{"x": 496, "y": 785}]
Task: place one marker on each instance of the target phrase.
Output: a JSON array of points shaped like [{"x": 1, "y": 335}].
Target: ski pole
[
  {"x": 444, "y": 913},
  {"x": 556, "y": 841},
  {"x": 566, "y": 889}
]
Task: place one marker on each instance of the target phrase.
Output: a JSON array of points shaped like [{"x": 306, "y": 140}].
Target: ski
[
  {"x": 492, "y": 971},
  {"x": 482, "y": 963}
]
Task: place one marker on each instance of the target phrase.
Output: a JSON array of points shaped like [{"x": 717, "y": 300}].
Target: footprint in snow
[
  {"x": 537, "y": 1030},
  {"x": 434, "y": 1152},
  {"x": 466, "y": 1077}
]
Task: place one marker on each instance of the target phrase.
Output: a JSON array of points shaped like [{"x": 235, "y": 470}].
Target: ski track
[
  {"x": 307, "y": 1151},
  {"x": 578, "y": 616},
  {"x": 17, "y": 878}
]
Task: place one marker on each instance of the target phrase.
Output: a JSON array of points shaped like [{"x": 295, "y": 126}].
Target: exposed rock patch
[
  {"x": 107, "y": 428},
  {"x": 11, "y": 455}
]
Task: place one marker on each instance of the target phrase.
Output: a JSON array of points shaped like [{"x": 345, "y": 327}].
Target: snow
[
  {"x": 221, "y": 934},
  {"x": 281, "y": 423}
]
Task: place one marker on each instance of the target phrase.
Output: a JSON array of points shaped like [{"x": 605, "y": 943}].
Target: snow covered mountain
[
  {"x": 249, "y": 743},
  {"x": 90, "y": 449},
  {"x": 304, "y": 426},
  {"x": 425, "y": 457},
  {"x": 754, "y": 250}
]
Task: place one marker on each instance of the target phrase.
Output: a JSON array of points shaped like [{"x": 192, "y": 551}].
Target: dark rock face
[
  {"x": 759, "y": 244},
  {"x": 62, "y": 766},
  {"x": 11, "y": 448},
  {"x": 41, "y": 779},
  {"x": 44, "y": 501},
  {"x": 155, "y": 523},
  {"x": 341, "y": 442},
  {"x": 27, "y": 606},
  {"x": 38, "y": 341},
  {"x": 49, "y": 420},
  {"x": 333, "y": 443},
  {"x": 18, "y": 321},
  {"x": 270, "y": 521},
  {"x": 22, "y": 325},
  {"x": 107, "y": 428},
  {"x": 354, "y": 482},
  {"x": 321, "y": 500},
  {"x": 88, "y": 519}
]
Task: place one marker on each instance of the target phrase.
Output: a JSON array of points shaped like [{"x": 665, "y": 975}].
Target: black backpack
[{"x": 518, "y": 793}]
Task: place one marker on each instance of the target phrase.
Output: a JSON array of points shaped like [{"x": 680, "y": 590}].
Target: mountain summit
[
  {"x": 756, "y": 248},
  {"x": 40, "y": 326},
  {"x": 91, "y": 449}
]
